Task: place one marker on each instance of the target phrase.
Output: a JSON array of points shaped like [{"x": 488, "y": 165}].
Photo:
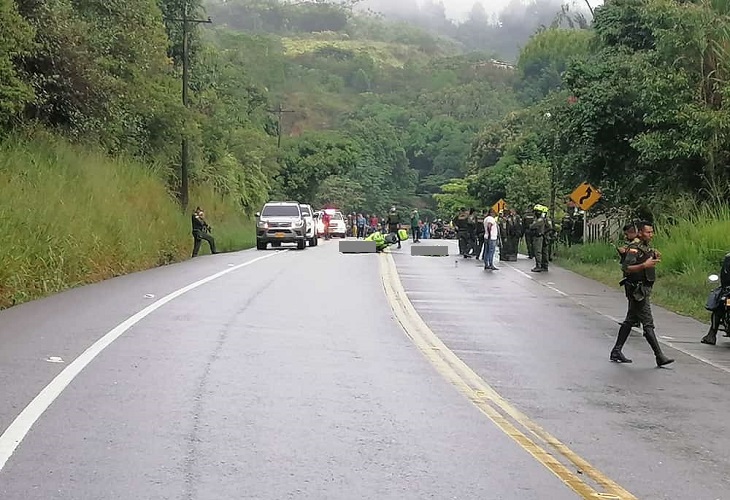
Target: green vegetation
[
  {"x": 692, "y": 248},
  {"x": 73, "y": 216},
  {"x": 409, "y": 108},
  {"x": 91, "y": 123}
]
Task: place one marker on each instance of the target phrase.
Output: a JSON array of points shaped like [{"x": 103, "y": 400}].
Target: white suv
[
  {"x": 308, "y": 216},
  {"x": 281, "y": 222}
]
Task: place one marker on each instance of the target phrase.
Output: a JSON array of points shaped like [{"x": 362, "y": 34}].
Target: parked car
[
  {"x": 338, "y": 227},
  {"x": 281, "y": 222},
  {"x": 308, "y": 215}
]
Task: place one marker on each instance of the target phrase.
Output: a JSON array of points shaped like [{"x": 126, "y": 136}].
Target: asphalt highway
[{"x": 313, "y": 374}]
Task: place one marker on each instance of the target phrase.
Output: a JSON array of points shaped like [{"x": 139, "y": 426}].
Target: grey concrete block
[
  {"x": 355, "y": 246},
  {"x": 422, "y": 250}
]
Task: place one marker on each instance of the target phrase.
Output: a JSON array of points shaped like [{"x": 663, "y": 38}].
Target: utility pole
[
  {"x": 280, "y": 111},
  {"x": 185, "y": 157}
]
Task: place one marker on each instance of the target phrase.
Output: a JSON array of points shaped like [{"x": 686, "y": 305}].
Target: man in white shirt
[{"x": 491, "y": 235}]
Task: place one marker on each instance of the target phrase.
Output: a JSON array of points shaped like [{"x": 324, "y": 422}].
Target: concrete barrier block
[
  {"x": 355, "y": 246},
  {"x": 430, "y": 250}
]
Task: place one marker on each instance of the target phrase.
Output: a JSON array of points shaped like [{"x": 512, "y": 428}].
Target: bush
[
  {"x": 692, "y": 247},
  {"x": 72, "y": 216}
]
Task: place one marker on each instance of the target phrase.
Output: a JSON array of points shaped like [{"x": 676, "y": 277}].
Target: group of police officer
[{"x": 536, "y": 227}]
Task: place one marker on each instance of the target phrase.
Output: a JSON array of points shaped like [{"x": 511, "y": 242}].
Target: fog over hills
[{"x": 459, "y": 10}]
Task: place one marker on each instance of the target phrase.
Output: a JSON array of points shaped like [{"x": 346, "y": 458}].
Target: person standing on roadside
[
  {"x": 201, "y": 231},
  {"x": 491, "y": 235},
  {"x": 528, "y": 220},
  {"x": 639, "y": 277},
  {"x": 326, "y": 217},
  {"x": 360, "y": 226},
  {"x": 415, "y": 228},
  {"x": 538, "y": 231},
  {"x": 462, "y": 231},
  {"x": 394, "y": 223},
  {"x": 480, "y": 233},
  {"x": 630, "y": 236}
]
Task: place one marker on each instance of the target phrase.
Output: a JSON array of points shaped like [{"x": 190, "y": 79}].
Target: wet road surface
[{"x": 290, "y": 377}]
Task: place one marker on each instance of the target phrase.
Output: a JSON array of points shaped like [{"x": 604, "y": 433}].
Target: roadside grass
[
  {"x": 72, "y": 216},
  {"x": 691, "y": 248}
]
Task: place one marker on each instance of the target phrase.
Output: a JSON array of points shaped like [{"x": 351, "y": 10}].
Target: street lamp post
[{"x": 552, "y": 172}]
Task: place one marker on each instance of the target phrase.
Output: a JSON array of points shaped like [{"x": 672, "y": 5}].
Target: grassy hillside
[
  {"x": 72, "y": 216},
  {"x": 692, "y": 249}
]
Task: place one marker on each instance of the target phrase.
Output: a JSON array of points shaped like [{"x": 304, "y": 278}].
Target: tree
[{"x": 15, "y": 42}]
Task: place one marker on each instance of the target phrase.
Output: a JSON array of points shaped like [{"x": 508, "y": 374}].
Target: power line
[
  {"x": 185, "y": 159},
  {"x": 280, "y": 111}
]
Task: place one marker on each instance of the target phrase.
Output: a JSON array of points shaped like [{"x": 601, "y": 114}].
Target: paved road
[{"x": 289, "y": 377}]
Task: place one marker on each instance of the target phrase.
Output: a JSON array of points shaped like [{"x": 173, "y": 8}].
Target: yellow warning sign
[
  {"x": 499, "y": 206},
  {"x": 585, "y": 196}
]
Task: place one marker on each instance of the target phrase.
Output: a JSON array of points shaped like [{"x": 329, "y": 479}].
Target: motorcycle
[
  {"x": 718, "y": 303},
  {"x": 382, "y": 241}
]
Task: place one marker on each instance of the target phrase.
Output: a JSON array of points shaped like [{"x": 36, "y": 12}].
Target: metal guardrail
[{"x": 606, "y": 228}]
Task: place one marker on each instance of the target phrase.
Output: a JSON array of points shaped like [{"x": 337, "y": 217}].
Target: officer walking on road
[
  {"x": 201, "y": 231},
  {"x": 639, "y": 277}
]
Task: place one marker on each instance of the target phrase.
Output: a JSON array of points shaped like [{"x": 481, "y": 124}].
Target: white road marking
[
  {"x": 149, "y": 295},
  {"x": 616, "y": 320},
  {"x": 54, "y": 359},
  {"x": 546, "y": 285},
  {"x": 16, "y": 431}
]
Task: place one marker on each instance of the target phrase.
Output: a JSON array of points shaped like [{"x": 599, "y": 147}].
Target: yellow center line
[{"x": 485, "y": 398}]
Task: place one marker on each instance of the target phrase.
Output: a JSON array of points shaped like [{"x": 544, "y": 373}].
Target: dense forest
[{"x": 381, "y": 103}]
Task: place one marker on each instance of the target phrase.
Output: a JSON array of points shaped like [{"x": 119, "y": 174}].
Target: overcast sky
[{"x": 457, "y": 8}]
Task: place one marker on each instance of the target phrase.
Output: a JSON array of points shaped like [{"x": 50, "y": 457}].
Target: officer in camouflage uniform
[
  {"x": 394, "y": 224},
  {"x": 480, "y": 234},
  {"x": 630, "y": 236},
  {"x": 550, "y": 238},
  {"x": 201, "y": 231},
  {"x": 539, "y": 229},
  {"x": 639, "y": 276},
  {"x": 527, "y": 222},
  {"x": 462, "y": 231},
  {"x": 514, "y": 234},
  {"x": 471, "y": 225},
  {"x": 502, "y": 222}
]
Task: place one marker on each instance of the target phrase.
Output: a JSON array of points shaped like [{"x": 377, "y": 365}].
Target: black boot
[
  {"x": 661, "y": 359},
  {"x": 711, "y": 337},
  {"x": 623, "y": 335}
]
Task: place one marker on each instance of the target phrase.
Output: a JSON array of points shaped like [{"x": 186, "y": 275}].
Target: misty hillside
[
  {"x": 417, "y": 97},
  {"x": 503, "y": 33},
  {"x": 500, "y": 34}
]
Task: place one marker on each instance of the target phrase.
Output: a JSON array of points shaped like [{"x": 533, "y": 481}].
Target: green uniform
[
  {"x": 638, "y": 286},
  {"x": 527, "y": 224},
  {"x": 503, "y": 222},
  {"x": 201, "y": 231},
  {"x": 394, "y": 225},
  {"x": 623, "y": 249},
  {"x": 471, "y": 228},
  {"x": 512, "y": 231},
  {"x": 462, "y": 231},
  {"x": 549, "y": 241},
  {"x": 414, "y": 227},
  {"x": 538, "y": 230},
  {"x": 480, "y": 235}
]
